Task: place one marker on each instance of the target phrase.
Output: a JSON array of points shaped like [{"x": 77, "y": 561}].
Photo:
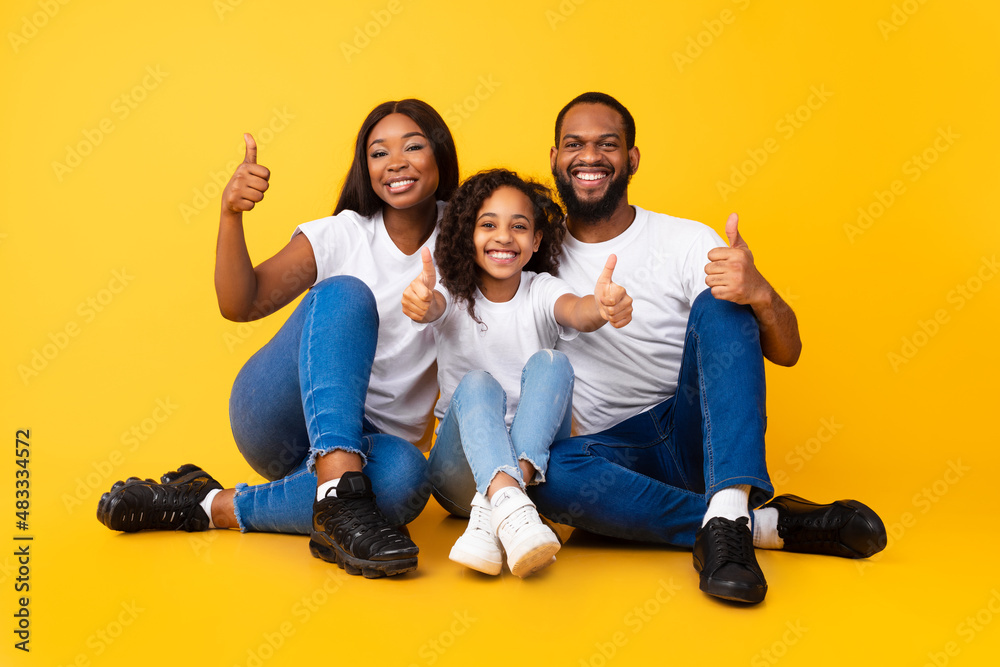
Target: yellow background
[{"x": 914, "y": 438}]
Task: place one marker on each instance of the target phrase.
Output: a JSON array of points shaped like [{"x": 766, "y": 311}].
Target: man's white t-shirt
[
  {"x": 402, "y": 389},
  {"x": 623, "y": 372},
  {"x": 510, "y": 333}
]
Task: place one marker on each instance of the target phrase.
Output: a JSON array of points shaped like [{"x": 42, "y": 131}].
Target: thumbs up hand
[
  {"x": 731, "y": 272},
  {"x": 613, "y": 302},
  {"x": 419, "y": 296},
  {"x": 248, "y": 184}
]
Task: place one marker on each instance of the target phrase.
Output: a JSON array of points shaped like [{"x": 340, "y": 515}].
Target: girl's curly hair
[{"x": 455, "y": 254}]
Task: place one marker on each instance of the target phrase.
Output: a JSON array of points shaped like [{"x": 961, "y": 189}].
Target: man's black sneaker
[
  {"x": 351, "y": 531},
  {"x": 843, "y": 528},
  {"x": 173, "y": 504},
  {"x": 724, "y": 556}
]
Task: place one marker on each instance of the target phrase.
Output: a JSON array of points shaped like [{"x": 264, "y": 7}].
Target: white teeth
[
  {"x": 590, "y": 177},
  {"x": 399, "y": 184},
  {"x": 501, "y": 255}
]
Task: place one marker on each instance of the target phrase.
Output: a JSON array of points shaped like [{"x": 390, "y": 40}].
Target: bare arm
[
  {"x": 609, "y": 303},
  {"x": 246, "y": 292},
  {"x": 732, "y": 276}
]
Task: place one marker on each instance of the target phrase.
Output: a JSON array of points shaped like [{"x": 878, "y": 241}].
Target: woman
[{"x": 323, "y": 410}]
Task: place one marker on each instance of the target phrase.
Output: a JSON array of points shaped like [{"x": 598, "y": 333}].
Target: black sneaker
[
  {"x": 844, "y": 528},
  {"x": 173, "y": 504},
  {"x": 724, "y": 555},
  {"x": 351, "y": 531}
]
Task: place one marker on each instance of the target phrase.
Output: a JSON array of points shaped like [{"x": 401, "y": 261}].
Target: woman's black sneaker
[
  {"x": 351, "y": 531},
  {"x": 173, "y": 504}
]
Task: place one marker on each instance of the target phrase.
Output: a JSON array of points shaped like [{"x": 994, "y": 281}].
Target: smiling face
[
  {"x": 504, "y": 238},
  {"x": 592, "y": 164},
  {"x": 401, "y": 162}
]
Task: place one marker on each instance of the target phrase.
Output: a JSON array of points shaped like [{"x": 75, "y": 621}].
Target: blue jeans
[
  {"x": 303, "y": 395},
  {"x": 649, "y": 478},
  {"x": 473, "y": 442}
]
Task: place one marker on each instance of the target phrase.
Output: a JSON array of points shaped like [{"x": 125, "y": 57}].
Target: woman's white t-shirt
[{"x": 402, "y": 389}]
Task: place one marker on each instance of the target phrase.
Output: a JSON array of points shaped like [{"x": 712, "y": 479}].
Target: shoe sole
[
  {"x": 535, "y": 559},
  {"x": 727, "y": 591},
  {"x": 369, "y": 569},
  {"x": 474, "y": 562}
]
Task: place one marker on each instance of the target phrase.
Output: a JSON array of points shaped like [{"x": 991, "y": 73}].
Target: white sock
[
  {"x": 327, "y": 488},
  {"x": 765, "y": 529},
  {"x": 206, "y": 505},
  {"x": 729, "y": 503}
]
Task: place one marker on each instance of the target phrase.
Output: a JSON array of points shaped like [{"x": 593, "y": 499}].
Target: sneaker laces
[
  {"x": 479, "y": 519},
  {"x": 808, "y": 529},
  {"x": 359, "y": 523},
  {"x": 732, "y": 545},
  {"x": 518, "y": 519}
]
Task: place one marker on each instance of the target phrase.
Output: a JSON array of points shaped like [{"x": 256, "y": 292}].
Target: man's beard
[{"x": 591, "y": 212}]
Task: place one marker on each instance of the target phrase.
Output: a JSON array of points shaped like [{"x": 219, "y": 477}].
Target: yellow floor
[
  {"x": 251, "y": 599},
  {"x": 857, "y": 140}
]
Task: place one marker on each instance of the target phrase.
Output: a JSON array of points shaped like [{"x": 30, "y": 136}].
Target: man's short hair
[{"x": 606, "y": 100}]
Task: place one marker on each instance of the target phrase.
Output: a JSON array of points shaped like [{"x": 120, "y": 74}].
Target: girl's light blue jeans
[
  {"x": 303, "y": 395},
  {"x": 473, "y": 443}
]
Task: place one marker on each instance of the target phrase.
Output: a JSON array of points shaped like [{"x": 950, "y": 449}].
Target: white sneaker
[
  {"x": 478, "y": 546},
  {"x": 529, "y": 543}
]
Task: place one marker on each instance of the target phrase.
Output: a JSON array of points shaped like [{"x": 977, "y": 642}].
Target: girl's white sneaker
[
  {"x": 478, "y": 547},
  {"x": 530, "y": 544}
]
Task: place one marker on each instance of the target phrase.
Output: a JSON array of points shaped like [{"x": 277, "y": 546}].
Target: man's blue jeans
[
  {"x": 473, "y": 442},
  {"x": 649, "y": 478},
  {"x": 302, "y": 395}
]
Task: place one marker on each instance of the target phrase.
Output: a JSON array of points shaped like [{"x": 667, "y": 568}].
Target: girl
[
  {"x": 501, "y": 312},
  {"x": 324, "y": 410}
]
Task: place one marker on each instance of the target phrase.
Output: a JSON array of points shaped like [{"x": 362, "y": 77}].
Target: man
[{"x": 670, "y": 411}]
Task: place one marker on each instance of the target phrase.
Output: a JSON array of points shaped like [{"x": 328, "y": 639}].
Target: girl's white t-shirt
[
  {"x": 510, "y": 333},
  {"x": 402, "y": 389},
  {"x": 623, "y": 372}
]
